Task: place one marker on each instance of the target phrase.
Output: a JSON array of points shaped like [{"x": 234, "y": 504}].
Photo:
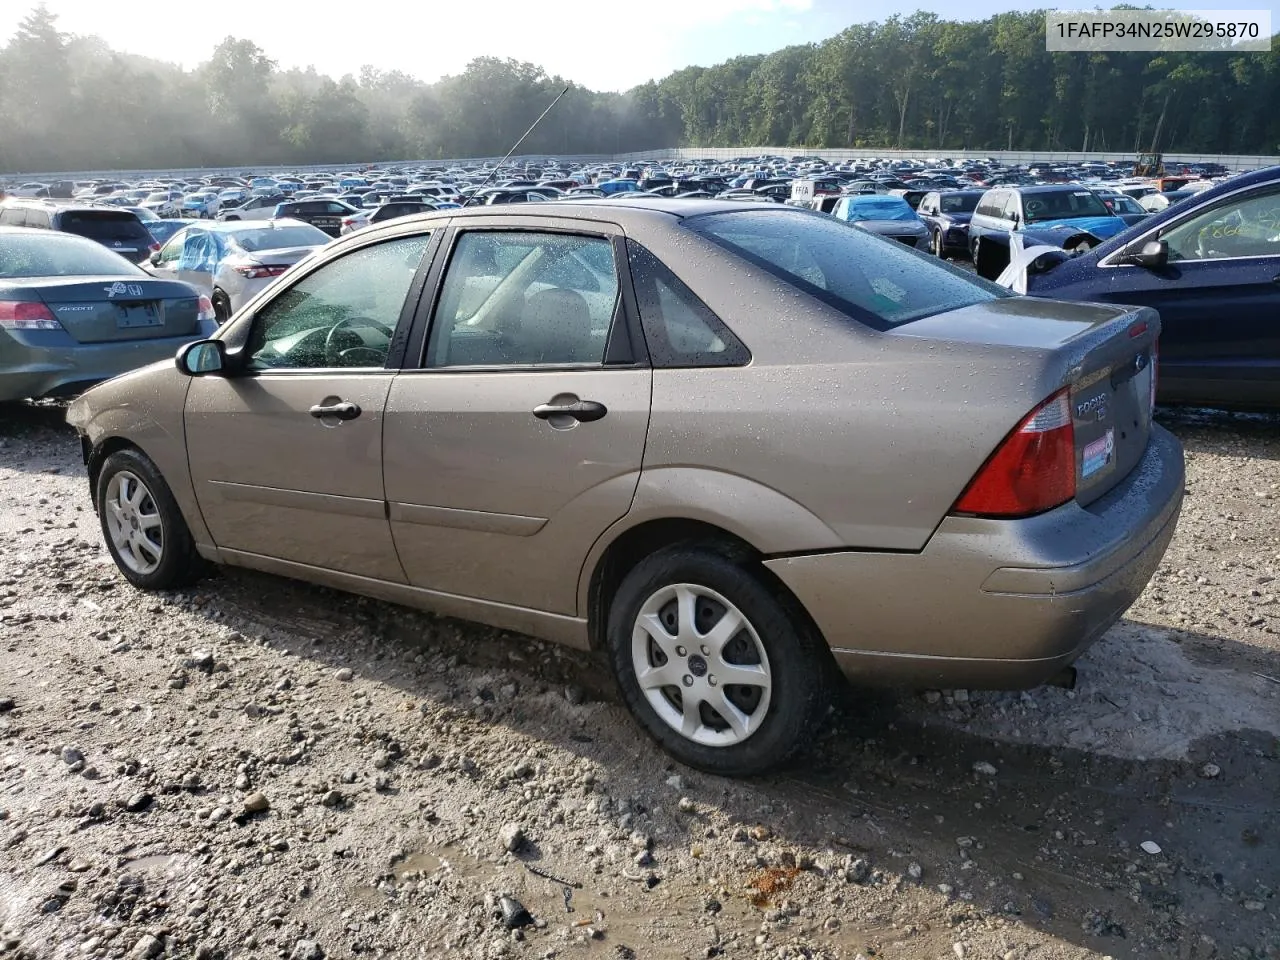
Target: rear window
[
  {"x": 106, "y": 226},
  {"x": 876, "y": 207},
  {"x": 878, "y": 282},
  {"x": 277, "y": 238},
  {"x": 53, "y": 255},
  {"x": 958, "y": 203}
]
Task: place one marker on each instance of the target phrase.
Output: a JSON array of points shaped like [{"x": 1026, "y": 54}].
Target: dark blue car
[
  {"x": 946, "y": 214},
  {"x": 1211, "y": 267},
  {"x": 1070, "y": 216}
]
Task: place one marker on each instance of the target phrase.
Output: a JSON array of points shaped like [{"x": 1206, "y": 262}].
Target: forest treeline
[{"x": 71, "y": 103}]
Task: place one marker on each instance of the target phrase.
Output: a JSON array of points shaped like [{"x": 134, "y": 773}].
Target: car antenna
[{"x": 515, "y": 146}]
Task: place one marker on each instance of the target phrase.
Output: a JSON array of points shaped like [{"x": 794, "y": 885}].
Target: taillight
[
  {"x": 205, "y": 311},
  {"x": 1032, "y": 471},
  {"x": 257, "y": 272},
  {"x": 154, "y": 247},
  {"x": 25, "y": 315}
]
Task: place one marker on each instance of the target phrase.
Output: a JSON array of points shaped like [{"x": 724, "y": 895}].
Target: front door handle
[
  {"x": 584, "y": 411},
  {"x": 344, "y": 410}
]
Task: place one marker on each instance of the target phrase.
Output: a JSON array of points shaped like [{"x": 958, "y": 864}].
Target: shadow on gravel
[
  {"x": 1057, "y": 832},
  {"x": 1206, "y": 430}
]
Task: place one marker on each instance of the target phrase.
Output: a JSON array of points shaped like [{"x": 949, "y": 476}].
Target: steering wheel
[{"x": 336, "y": 356}]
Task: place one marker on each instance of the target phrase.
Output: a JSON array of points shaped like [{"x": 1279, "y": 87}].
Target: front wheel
[
  {"x": 937, "y": 244},
  {"x": 144, "y": 529},
  {"x": 718, "y": 667}
]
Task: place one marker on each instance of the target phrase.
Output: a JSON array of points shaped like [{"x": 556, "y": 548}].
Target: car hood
[{"x": 1100, "y": 227}]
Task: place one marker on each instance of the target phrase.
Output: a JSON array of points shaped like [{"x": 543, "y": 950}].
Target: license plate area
[{"x": 131, "y": 315}]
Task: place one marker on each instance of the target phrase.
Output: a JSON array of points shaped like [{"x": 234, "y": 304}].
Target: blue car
[
  {"x": 947, "y": 214},
  {"x": 1061, "y": 215},
  {"x": 1211, "y": 267}
]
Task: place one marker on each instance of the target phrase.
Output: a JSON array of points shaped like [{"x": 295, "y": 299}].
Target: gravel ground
[{"x": 257, "y": 768}]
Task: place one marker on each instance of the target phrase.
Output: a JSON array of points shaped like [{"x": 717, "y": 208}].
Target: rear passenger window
[{"x": 680, "y": 330}]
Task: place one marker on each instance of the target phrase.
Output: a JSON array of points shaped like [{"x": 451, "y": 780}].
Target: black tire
[
  {"x": 179, "y": 564},
  {"x": 798, "y": 661},
  {"x": 221, "y": 307},
  {"x": 937, "y": 244}
]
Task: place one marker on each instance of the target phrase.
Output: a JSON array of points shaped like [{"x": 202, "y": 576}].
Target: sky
[{"x": 606, "y": 46}]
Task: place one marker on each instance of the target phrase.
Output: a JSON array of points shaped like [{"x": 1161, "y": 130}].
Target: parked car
[
  {"x": 1155, "y": 202},
  {"x": 72, "y": 313},
  {"x": 232, "y": 262},
  {"x": 1072, "y": 217},
  {"x": 946, "y": 214},
  {"x": 203, "y": 205},
  {"x": 1126, "y": 208},
  {"x": 1209, "y": 265},
  {"x": 258, "y": 207},
  {"x": 885, "y": 214},
  {"x": 730, "y": 509},
  {"x": 359, "y": 219},
  {"x": 163, "y": 203},
  {"x": 324, "y": 214},
  {"x": 119, "y": 230}
]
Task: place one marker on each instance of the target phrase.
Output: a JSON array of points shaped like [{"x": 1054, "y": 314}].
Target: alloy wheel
[
  {"x": 701, "y": 665},
  {"x": 133, "y": 523}
]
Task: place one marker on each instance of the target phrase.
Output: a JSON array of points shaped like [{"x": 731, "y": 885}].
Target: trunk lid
[
  {"x": 114, "y": 308},
  {"x": 287, "y": 256},
  {"x": 1104, "y": 355}
]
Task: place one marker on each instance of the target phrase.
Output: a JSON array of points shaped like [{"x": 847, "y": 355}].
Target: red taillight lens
[
  {"x": 154, "y": 247},
  {"x": 24, "y": 315},
  {"x": 259, "y": 272},
  {"x": 1032, "y": 471}
]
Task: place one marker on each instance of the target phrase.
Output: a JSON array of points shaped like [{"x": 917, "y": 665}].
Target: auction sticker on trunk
[{"x": 1099, "y": 454}]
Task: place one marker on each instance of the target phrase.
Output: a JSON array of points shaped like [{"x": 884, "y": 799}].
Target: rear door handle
[
  {"x": 584, "y": 411},
  {"x": 346, "y": 410}
]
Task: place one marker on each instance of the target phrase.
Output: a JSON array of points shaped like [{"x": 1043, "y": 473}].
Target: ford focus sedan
[{"x": 739, "y": 448}]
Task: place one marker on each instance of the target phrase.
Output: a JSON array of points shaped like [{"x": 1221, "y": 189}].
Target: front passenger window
[{"x": 342, "y": 315}]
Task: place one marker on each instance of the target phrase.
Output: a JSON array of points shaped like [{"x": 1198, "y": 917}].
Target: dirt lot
[{"x": 261, "y": 769}]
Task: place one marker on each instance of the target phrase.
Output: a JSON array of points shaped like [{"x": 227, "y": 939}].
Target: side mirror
[
  {"x": 155, "y": 258},
  {"x": 202, "y": 358},
  {"x": 1154, "y": 255}
]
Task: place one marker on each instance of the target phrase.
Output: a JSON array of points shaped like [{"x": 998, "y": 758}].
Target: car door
[
  {"x": 200, "y": 254},
  {"x": 286, "y": 455},
  {"x": 165, "y": 265},
  {"x": 519, "y": 439},
  {"x": 1218, "y": 297}
]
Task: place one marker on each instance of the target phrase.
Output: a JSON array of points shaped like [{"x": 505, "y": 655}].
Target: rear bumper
[
  {"x": 1000, "y": 604},
  {"x": 30, "y": 369}
]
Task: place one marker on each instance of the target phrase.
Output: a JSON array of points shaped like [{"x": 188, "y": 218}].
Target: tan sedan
[{"x": 733, "y": 445}]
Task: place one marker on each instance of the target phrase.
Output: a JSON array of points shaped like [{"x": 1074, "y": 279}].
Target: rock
[
  {"x": 960, "y": 696},
  {"x": 306, "y": 950},
  {"x": 7, "y": 704},
  {"x": 177, "y": 683},
  {"x": 332, "y": 798},
  {"x": 675, "y": 782},
  {"x": 985, "y": 769},
  {"x": 242, "y": 781},
  {"x": 382, "y": 783},
  {"x": 514, "y": 914},
  {"x": 50, "y": 855},
  {"x": 191, "y": 781},
  {"x": 643, "y": 859},
  {"x": 1151, "y": 847},
  {"x": 146, "y": 948},
  {"x": 381, "y": 760},
  {"x": 760, "y": 833},
  {"x": 575, "y": 694},
  {"x": 283, "y": 684},
  {"x": 256, "y": 803},
  {"x": 915, "y": 871},
  {"x": 511, "y": 836},
  {"x": 218, "y": 814},
  {"x": 344, "y": 674},
  {"x": 138, "y": 802},
  {"x": 958, "y": 950},
  {"x": 70, "y": 756},
  {"x": 1210, "y": 770},
  {"x": 859, "y": 871},
  {"x": 831, "y": 924},
  {"x": 90, "y": 773},
  {"x": 687, "y": 806},
  {"x": 932, "y": 696}
]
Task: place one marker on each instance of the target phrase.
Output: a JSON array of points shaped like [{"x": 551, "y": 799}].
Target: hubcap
[
  {"x": 133, "y": 523},
  {"x": 701, "y": 665}
]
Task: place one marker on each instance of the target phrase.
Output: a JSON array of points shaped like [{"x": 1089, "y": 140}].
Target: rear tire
[
  {"x": 144, "y": 529},
  {"x": 221, "y": 307},
  {"x": 937, "y": 244},
  {"x": 696, "y": 618}
]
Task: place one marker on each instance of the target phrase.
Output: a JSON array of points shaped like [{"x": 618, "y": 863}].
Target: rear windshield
[
  {"x": 106, "y": 226},
  {"x": 878, "y": 207},
  {"x": 879, "y": 282},
  {"x": 1062, "y": 204},
  {"x": 52, "y": 255},
  {"x": 277, "y": 238},
  {"x": 959, "y": 203}
]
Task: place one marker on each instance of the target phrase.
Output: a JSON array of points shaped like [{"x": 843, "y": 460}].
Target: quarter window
[
  {"x": 520, "y": 298},
  {"x": 342, "y": 315},
  {"x": 1241, "y": 227}
]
